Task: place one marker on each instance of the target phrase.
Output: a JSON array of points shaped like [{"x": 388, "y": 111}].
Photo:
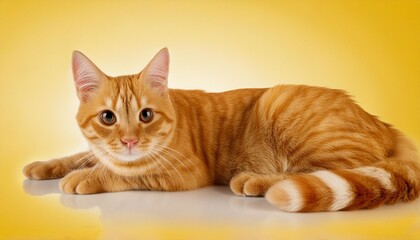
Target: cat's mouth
[
  {"x": 129, "y": 155},
  {"x": 123, "y": 156}
]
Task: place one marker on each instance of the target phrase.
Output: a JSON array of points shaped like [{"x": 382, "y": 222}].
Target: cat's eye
[
  {"x": 146, "y": 115},
  {"x": 107, "y": 117}
]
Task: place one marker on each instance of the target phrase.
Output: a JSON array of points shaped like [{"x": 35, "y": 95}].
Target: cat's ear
[
  {"x": 87, "y": 76},
  {"x": 155, "y": 74}
]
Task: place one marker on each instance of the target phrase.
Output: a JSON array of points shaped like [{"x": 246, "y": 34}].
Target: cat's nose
[{"x": 130, "y": 141}]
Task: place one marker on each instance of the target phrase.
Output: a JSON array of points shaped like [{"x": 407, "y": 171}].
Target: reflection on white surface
[{"x": 215, "y": 204}]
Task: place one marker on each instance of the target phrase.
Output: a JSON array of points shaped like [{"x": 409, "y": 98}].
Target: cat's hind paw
[{"x": 252, "y": 184}]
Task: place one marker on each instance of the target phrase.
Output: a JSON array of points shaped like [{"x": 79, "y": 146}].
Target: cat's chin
[
  {"x": 128, "y": 157},
  {"x": 118, "y": 157},
  {"x": 122, "y": 163}
]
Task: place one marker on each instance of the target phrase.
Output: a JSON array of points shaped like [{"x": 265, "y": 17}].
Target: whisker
[
  {"x": 174, "y": 168},
  {"x": 171, "y": 155},
  {"x": 156, "y": 166},
  {"x": 189, "y": 160},
  {"x": 74, "y": 166},
  {"x": 157, "y": 161},
  {"x": 87, "y": 161}
]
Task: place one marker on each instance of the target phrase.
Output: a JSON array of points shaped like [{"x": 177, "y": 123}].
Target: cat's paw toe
[
  {"x": 77, "y": 183},
  {"x": 28, "y": 170},
  {"x": 89, "y": 187},
  {"x": 42, "y": 170},
  {"x": 249, "y": 184},
  {"x": 255, "y": 187},
  {"x": 69, "y": 183},
  {"x": 237, "y": 183}
]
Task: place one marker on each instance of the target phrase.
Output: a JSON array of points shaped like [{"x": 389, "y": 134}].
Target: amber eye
[
  {"x": 146, "y": 115},
  {"x": 107, "y": 117}
]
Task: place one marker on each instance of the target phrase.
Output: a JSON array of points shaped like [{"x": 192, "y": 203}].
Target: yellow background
[{"x": 369, "y": 48}]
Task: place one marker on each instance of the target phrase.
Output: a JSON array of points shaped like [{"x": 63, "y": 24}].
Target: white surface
[{"x": 218, "y": 205}]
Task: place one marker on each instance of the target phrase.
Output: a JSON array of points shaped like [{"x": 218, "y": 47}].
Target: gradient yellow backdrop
[{"x": 369, "y": 48}]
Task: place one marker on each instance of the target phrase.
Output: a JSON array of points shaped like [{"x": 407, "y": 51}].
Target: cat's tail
[{"x": 394, "y": 179}]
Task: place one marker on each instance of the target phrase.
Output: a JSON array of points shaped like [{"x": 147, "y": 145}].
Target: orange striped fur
[{"x": 304, "y": 148}]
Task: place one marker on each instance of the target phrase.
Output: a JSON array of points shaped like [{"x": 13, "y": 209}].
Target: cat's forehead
[
  {"x": 126, "y": 92},
  {"x": 123, "y": 84},
  {"x": 123, "y": 92}
]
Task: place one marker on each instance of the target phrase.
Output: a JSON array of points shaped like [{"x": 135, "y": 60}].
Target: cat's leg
[
  {"x": 101, "y": 179},
  {"x": 253, "y": 184},
  {"x": 257, "y": 167},
  {"x": 58, "y": 168},
  {"x": 92, "y": 180}
]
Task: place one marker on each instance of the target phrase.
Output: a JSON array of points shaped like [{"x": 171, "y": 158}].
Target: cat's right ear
[{"x": 87, "y": 76}]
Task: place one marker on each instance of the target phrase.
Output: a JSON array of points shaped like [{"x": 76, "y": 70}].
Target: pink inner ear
[
  {"x": 156, "y": 72},
  {"x": 86, "y": 76}
]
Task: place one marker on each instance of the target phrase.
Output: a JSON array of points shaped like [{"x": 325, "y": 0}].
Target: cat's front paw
[
  {"x": 45, "y": 170},
  {"x": 84, "y": 181}
]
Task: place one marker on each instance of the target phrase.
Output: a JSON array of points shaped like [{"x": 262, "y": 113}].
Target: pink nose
[{"x": 130, "y": 141}]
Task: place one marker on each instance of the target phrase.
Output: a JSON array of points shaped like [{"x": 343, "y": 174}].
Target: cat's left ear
[{"x": 155, "y": 74}]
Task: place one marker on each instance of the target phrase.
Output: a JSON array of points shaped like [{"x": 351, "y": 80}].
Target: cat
[{"x": 306, "y": 149}]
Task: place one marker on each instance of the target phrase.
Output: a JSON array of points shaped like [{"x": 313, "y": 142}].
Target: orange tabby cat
[{"x": 303, "y": 148}]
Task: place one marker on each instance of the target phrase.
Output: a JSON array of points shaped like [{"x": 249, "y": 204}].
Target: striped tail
[{"x": 385, "y": 182}]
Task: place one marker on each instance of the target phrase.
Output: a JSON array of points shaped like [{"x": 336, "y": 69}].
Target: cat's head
[{"x": 125, "y": 119}]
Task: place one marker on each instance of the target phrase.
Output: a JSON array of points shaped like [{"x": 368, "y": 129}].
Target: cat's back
[
  {"x": 217, "y": 106},
  {"x": 311, "y": 121},
  {"x": 288, "y": 102},
  {"x": 297, "y": 98}
]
